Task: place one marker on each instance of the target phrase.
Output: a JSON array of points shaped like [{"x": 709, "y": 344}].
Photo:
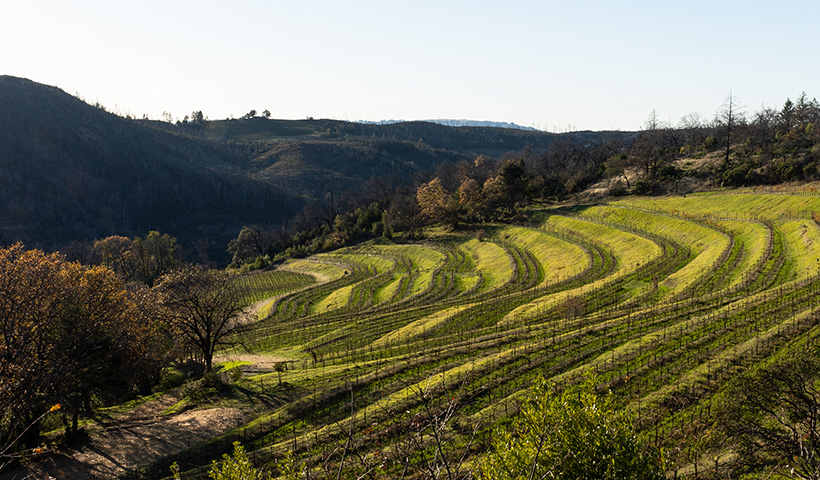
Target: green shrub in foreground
[{"x": 574, "y": 434}]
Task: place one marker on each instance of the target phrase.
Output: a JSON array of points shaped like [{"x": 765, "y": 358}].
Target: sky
[{"x": 556, "y": 66}]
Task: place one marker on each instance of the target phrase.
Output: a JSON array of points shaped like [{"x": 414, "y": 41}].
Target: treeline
[{"x": 768, "y": 147}]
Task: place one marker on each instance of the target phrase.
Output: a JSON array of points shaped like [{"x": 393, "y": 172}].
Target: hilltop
[{"x": 458, "y": 123}]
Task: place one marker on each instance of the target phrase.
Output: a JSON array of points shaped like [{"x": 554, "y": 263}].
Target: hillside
[
  {"x": 667, "y": 299},
  {"x": 73, "y": 172},
  {"x": 676, "y": 304},
  {"x": 471, "y": 141}
]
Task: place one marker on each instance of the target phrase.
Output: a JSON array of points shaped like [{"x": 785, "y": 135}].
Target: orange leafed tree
[
  {"x": 69, "y": 333},
  {"x": 436, "y": 203}
]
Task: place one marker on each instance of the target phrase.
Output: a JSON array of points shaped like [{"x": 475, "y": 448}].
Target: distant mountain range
[
  {"x": 70, "y": 171},
  {"x": 458, "y": 123}
]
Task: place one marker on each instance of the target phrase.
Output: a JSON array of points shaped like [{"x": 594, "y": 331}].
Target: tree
[
  {"x": 204, "y": 307},
  {"x": 615, "y": 166},
  {"x": 514, "y": 177},
  {"x": 141, "y": 259},
  {"x": 29, "y": 291},
  {"x": 157, "y": 254},
  {"x": 654, "y": 148},
  {"x": 694, "y": 128},
  {"x": 436, "y": 203},
  {"x": 574, "y": 434},
  {"x": 197, "y": 119},
  {"x": 403, "y": 215},
  {"x": 232, "y": 467},
  {"x": 773, "y": 415},
  {"x": 108, "y": 343},
  {"x": 470, "y": 199},
  {"x": 249, "y": 244},
  {"x": 728, "y": 118},
  {"x": 118, "y": 254},
  {"x": 68, "y": 333},
  {"x": 266, "y": 113},
  {"x": 250, "y": 114}
]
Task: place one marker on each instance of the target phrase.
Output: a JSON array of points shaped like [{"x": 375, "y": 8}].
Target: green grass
[
  {"x": 259, "y": 286},
  {"x": 753, "y": 236},
  {"x": 339, "y": 298},
  {"x": 560, "y": 259},
  {"x": 323, "y": 269},
  {"x": 630, "y": 250},
  {"x": 420, "y": 326},
  {"x": 707, "y": 244},
  {"x": 492, "y": 263},
  {"x": 425, "y": 261},
  {"x": 802, "y": 246},
  {"x": 730, "y": 206},
  {"x": 674, "y": 296}
]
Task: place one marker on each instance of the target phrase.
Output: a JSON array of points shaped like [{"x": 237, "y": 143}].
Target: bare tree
[
  {"x": 728, "y": 118},
  {"x": 204, "y": 306}
]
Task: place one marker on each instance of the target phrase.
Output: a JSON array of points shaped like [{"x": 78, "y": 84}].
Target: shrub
[{"x": 574, "y": 434}]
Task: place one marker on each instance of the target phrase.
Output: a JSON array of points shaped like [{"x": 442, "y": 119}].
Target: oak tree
[{"x": 204, "y": 307}]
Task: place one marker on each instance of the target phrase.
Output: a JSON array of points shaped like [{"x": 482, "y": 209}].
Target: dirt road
[{"x": 135, "y": 439}]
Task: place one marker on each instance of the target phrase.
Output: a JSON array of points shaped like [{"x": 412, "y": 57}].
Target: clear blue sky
[{"x": 554, "y": 65}]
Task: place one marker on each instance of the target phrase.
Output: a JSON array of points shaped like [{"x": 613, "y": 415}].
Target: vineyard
[{"x": 664, "y": 299}]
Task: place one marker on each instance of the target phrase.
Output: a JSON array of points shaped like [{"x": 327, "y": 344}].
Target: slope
[{"x": 71, "y": 171}]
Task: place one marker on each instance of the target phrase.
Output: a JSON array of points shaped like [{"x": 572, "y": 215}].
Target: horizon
[{"x": 546, "y": 65}]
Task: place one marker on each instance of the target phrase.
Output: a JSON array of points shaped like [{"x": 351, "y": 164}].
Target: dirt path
[
  {"x": 259, "y": 363},
  {"x": 135, "y": 439}
]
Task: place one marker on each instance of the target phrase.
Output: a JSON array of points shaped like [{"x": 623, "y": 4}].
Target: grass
[
  {"x": 337, "y": 299},
  {"x": 560, "y": 259},
  {"x": 731, "y": 205},
  {"x": 674, "y": 295},
  {"x": 753, "y": 236},
  {"x": 259, "y": 286},
  {"x": 707, "y": 244},
  {"x": 425, "y": 261},
  {"x": 802, "y": 246},
  {"x": 318, "y": 266},
  {"x": 629, "y": 250},
  {"x": 420, "y": 326},
  {"x": 492, "y": 263}
]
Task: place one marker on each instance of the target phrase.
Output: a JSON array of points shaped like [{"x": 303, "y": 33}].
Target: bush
[
  {"x": 646, "y": 187},
  {"x": 171, "y": 377},
  {"x": 574, "y": 434},
  {"x": 235, "y": 467}
]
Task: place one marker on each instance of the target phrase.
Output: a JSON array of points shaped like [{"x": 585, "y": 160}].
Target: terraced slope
[{"x": 665, "y": 299}]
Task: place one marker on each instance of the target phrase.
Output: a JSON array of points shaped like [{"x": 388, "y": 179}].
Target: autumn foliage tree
[
  {"x": 437, "y": 203},
  {"x": 69, "y": 334}
]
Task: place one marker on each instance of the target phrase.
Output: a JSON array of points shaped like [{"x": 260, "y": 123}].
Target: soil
[
  {"x": 259, "y": 363},
  {"x": 134, "y": 439}
]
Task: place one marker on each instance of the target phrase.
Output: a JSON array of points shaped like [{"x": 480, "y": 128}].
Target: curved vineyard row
[{"x": 665, "y": 299}]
